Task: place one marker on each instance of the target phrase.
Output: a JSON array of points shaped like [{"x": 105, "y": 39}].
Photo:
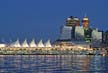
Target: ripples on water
[{"x": 53, "y": 64}]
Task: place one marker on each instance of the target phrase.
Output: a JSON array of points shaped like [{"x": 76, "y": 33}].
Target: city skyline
[{"x": 42, "y": 19}]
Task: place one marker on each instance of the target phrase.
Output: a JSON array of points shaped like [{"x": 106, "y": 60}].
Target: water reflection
[{"x": 53, "y": 64}]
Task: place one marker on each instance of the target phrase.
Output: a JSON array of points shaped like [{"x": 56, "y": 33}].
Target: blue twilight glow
[{"x": 43, "y": 18}]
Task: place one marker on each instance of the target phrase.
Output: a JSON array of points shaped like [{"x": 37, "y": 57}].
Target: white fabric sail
[
  {"x": 25, "y": 44},
  {"x": 47, "y": 44},
  {"x": 40, "y": 44},
  {"x": 2, "y": 45},
  {"x": 15, "y": 44},
  {"x": 32, "y": 43}
]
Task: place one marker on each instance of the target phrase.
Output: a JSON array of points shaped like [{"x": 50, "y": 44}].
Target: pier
[{"x": 52, "y": 51}]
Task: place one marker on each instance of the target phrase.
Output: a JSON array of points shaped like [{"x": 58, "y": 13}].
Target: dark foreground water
[{"x": 53, "y": 64}]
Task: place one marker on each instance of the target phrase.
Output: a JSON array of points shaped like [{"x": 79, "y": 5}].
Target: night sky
[{"x": 42, "y": 19}]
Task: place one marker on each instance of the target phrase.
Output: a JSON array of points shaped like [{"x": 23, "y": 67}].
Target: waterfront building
[
  {"x": 96, "y": 35},
  {"x": 15, "y": 44},
  {"x": 25, "y": 44},
  {"x": 2, "y": 45},
  {"x": 66, "y": 33},
  {"x": 40, "y": 44},
  {"x": 96, "y": 38},
  {"x": 85, "y": 22},
  {"x": 76, "y": 21},
  {"x": 48, "y": 44},
  {"x": 88, "y": 34},
  {"x": 32, "y": 43},
  {"x": 79, "y": 33},
  {"x": 106, "y": 37},
  {"x": 70, "y": 21},
  {"x": 73, "y": 32}
]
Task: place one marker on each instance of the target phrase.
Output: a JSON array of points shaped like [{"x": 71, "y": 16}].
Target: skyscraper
[{"x": 73, "y": 31}]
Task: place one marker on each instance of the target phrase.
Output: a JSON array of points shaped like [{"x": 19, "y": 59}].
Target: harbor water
[{"x": 53, "y": 64}]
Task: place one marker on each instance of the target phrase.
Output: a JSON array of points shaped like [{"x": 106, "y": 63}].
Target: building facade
[
  {"x": 73, "y": 31},
  {"x": 79, "y": 33},
  {"x": 66, "y": 33}
]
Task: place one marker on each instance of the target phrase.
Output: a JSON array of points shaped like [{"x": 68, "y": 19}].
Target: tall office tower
[
  {"x": 76, "y": 21},
  {"x": 96, "y": 37},
  {"x": 79, "y": 33},
  {"x": 88, "y": 34},
  {"x": 70, "y": 21},
  {"x": 85, "y": 22},
  {"x": 66, "y": 33}
]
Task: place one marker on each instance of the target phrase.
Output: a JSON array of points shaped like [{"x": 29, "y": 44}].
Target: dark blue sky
[{"x": 43, "y": 18}]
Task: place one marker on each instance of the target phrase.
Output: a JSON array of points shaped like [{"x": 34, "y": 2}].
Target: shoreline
[{"x": 53, "y": 51}]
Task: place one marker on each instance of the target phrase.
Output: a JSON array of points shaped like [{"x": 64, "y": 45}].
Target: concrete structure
[
  {"x": 106, "y": 37},
  {"x": 85, "y": 22},
  {"x": 70, "y": 21},
  {"x": 88, "y": 34},
  {"x": 73, "y": 32},
  {"x": 76, "y": 21},
  {"x": 66, "y": 33},
  {"x": 96, "y": 35},
  {"x": 96, "y": 38},
  {"x": 79, "y": 33}
]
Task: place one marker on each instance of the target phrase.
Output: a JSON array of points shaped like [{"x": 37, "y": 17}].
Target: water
[{"x": 53, "y": 64}]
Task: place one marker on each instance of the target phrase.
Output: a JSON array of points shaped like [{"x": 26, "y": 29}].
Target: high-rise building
[
  {"x": 73, "y": 32},
  {"x": 76, "y": 21},
  {"x": 79, "y": 33},
  {"x": 70, "y": 21},
  {"x": 96, "y": 35},
  {"x": 106, "y": 37},
  {"x": 96, "y": 38},
  {"x": 66, "y": 33},
  {"x": 85, "y": 22},
  {"x": 88, "y": 34}
]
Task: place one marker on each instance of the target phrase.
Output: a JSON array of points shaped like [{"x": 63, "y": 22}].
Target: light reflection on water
[{"x": 53, "y": 64}]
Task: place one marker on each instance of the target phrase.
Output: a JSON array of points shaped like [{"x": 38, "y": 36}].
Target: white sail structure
[
  {"x": 25, "y": 44},
  {"x": 15, "y": 44},
  {"x": 40, "y": 44},
  {"x": 48, "y": 44},
  {"x": 2, "y": 45},
  {"x": 32, "y": 43}
]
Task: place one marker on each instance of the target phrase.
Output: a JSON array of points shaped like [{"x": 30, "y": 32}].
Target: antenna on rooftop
[{"x": 85, "y": 15}]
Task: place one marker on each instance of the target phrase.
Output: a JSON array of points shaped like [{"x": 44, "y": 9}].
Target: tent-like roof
[
  {"x": 40, "y": 44},
  {"x": 2, "y": 45},
  {"x": 47, "y": 44},
  {"x": 25, "y": 44},
  {"x": 15, "y": 44},
  {"x": 32, "y": 43}
]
